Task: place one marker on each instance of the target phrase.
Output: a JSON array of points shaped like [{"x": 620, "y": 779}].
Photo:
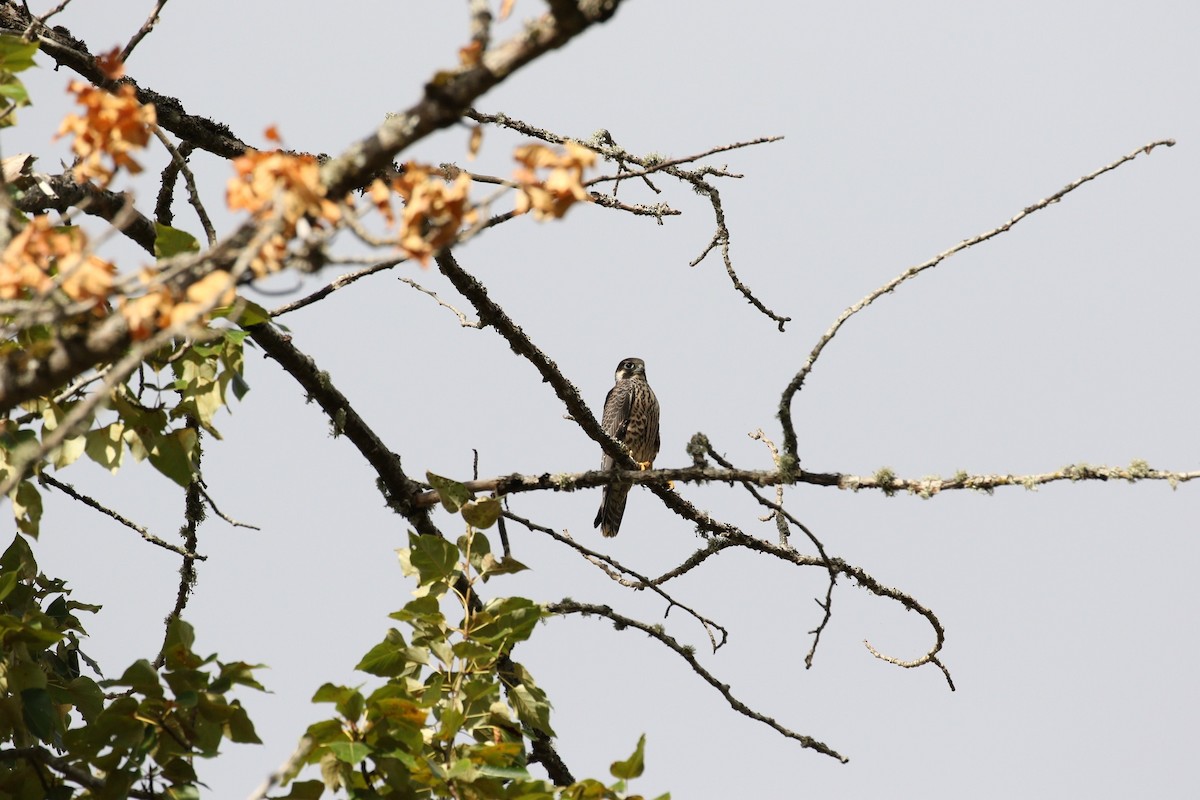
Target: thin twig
[
  {"x": 607, "y": 147},
  {"x": 338, "y": 283},
  {"x": 785, "y": 402},
  {"x": 213, "y": 505},
  {"x": 462, "y": 318},
  {"x": 612, "y": 568},
  {"x": 286, "y": 771},
  {"x": 147, "y": 26},
  {"x": 69, "y": 490},
  {"x": 190, "y": 180},
  {"x": 687, "y": 654},
  {"x": 193, "y": 515}
]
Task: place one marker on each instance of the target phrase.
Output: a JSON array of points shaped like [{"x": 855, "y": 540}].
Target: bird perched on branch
[{"x": 630, "y": 417}]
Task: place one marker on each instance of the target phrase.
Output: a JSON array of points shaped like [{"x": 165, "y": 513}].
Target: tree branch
[
  {"x": 686, "y": 653},
  {"x": 884, "y": 480},
  {"x": 797, "y": 382},
  {"x": 69, "y": 490}
]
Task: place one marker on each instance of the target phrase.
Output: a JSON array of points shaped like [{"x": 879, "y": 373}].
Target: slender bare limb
[
  {"x": 462, "y": 318},
  {"x": 193, "y": 515},
  {"x": 190, "y": 181},
  {"x": 884, "y": 480},
  {"x": 213, "y": 505},
  {"x": 687, "y": 654},
  {"x": 147, "y": 26},
  {"x": 286, "y": 771},
  {"x": 605, "y": 146},
  {"x": 797, "y": 382},
  {"x": 613, "y": 569},
  {"x": 69, "y": 490},
  {"x": 340, "y": 282}
]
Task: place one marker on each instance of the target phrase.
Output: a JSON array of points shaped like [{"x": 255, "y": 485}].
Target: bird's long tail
[{"x": 612, "y": 509}]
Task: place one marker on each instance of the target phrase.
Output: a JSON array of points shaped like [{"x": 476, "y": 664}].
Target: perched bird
[{"x": 630, "y": 417}]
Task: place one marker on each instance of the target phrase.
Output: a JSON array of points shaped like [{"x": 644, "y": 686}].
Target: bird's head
[{"x": 631, "y": 368}]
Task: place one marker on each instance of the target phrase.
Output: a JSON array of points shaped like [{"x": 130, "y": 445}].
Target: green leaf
[
  {"x": 432, "y": 557},
  {"x": 305, "y": 790},
  {"x": 27, "y": 508},
  {"x": 386, "y": 659},
  {"x": 451, "y": 493},
  {"x": 170, "y": 241},
  {"x": 68, "y": 452},
  {"x": 141, "y": 677},
  {"x": 482, "y": 513},
  {"x": 183, "y": 791},
  {"x": 16, "y": 54},
  {"x": 171, "y": 454},
  {"x": 506, "y": 620},
  {"x": 19, "y": 558},
  {"x": 352, "y": 753},
  {"x": 87, "y": 696},
  {"x": 463, "y": 770},
  {"x": 532, "y": 707},
  {"x": 8, "y": 581},
  {"x": 244, "y": 312},
  {"x": 239, "y": 728},
  {"x": 348, "y": 702},
  {"x": 37, "y": 711},
  {"x": 508, "y": 566},
  {"x": 177, "y": 649},
  {"x": 633, "y": 766},
  {"x": 104, "y": 446}
]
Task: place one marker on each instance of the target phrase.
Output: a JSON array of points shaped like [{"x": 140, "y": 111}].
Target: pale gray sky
[{"x": 1070, "y": 612}]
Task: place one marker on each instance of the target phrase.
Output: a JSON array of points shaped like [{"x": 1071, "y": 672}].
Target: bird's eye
[{"x": 627, "y": 365}]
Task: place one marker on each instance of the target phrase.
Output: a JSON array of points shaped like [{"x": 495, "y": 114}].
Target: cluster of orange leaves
[
  {"x": 563, "y": 187},
  {"x": 42, "y": 258},
  {"x": 161, "y": 306},
  {"x": 434, "y": 210},
  {"x": 111, "y": 125},
  {"x": 278, "y": 183}
]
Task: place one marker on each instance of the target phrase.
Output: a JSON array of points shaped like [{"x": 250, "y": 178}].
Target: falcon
[{"x": 630, "y": 417}]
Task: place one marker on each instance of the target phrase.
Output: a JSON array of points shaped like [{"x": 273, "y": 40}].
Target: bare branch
[
  {"x": 340, "y": 282},
  {"x": 612, "y": 568},
  {"x": 213, "y": 505},
  {"x": 147, "y": 26},
  {"x": 193, "y": 515},
  {"x": 608, "y": 148},
  {"x": 686, "y": 653},
  {"x": 67, "y": 51},
  {"x": 401, "y": 490},
  {"x": 462, "y": 318},
  {"x": 61, "y": 193},
  {"x": 190, "y": 180},
  {"x": 884, "y": 480},
  {"x": 69, "y": 490},
  {"x": 785, "y": 402},
  {"x": 286, "y": 770}
]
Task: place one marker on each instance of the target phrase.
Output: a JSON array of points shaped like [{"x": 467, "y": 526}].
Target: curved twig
[
  {"x": 797, "y": 382},
  {"x": 655, "y": 632},
  {"x": 611, "y": 567}
]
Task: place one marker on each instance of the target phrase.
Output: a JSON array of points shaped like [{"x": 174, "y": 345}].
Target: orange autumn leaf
[
  {"x": 434, "y": 210},
  {"x": 549, "y": 198},
  {"x": 110, "y": 64},
  {"x": 112, "y": 125}
]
